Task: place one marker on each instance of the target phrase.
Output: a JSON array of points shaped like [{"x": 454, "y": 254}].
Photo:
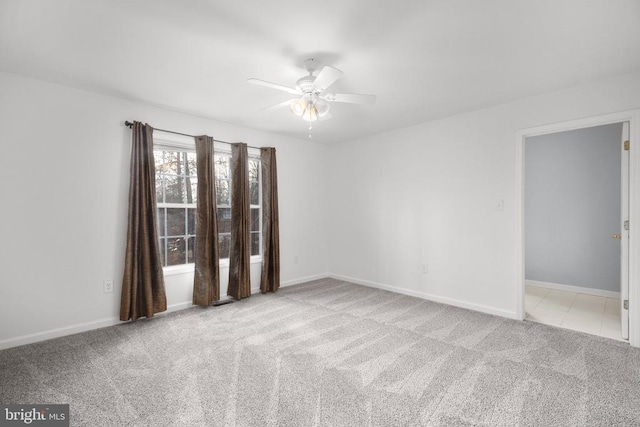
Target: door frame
[{"x": 633, "y": 117}]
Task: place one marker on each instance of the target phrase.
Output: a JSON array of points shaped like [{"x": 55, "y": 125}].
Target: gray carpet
[{"x": 329, "y": 353}]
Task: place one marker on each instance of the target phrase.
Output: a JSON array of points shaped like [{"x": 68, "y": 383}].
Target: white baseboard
[
  {"x": 430, "y": 297},
  {"x": 295, "y": 282},
  {"x": 58, "y": 332},
  {"x": 77, "y": 328},
  {"x": 571, "y": 288},
  {"x": 102, "y": 323},
  {"x": 178, "y": 306},
  {"x": 304, "y": 279}
]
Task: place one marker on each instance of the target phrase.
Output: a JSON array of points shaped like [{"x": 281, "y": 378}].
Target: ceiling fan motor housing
[{"x": 305, "y": 84}]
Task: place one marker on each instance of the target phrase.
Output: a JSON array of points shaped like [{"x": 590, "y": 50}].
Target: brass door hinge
[
  {"x": 626, "y": 146},
  {"x": 625, "y": 304}
]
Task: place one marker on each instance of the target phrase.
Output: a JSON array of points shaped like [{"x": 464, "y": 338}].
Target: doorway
[
  {"x": 630, "y": 274},
  {"x": 573, "y": 210}
]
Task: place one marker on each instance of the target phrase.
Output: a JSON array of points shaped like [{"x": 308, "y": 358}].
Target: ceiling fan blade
[
  {"x": 274, "y": 86},
  {"x": 350, "y": 98},
  {"x": 327, "y": 77},
  {"x": 282, "y": 104}
]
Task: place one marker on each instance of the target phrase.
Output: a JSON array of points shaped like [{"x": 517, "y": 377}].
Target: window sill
[
  {"x": 189, "y": 268},
  {"x": 178, "y": 269}
]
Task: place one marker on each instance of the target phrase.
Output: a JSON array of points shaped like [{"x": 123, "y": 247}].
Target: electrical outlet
[{"x": 107, "y": 286}]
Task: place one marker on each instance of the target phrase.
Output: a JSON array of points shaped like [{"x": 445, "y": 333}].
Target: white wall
[
  {"x": 395, "y": 201},
  {"x": 427, "y": 195},
  {"x": 64, "y": 171},
  {"x": 572, "y": 207}
]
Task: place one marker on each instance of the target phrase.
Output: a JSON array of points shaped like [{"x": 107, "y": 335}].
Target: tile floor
[{"x": 580, "y": 312}]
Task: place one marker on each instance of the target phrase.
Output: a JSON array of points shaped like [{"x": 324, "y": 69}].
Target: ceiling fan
[{"x": 312, "y": 101}]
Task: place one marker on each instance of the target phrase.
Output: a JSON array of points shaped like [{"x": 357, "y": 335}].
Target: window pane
[
  {"x": 187, "y": 168},
  {"x": 157, "y": 156},
  {"x": 173, "y": 162},
  {"x": 191, "y": 159},
  {"x": 255, "y": 243},
  {"x": 189, "y": 194},
  {"x": 255, "y": 219},
  {"x": 174, "y": 188},
  {"x": 161, "y": 164},
  {"x": 254, "y": 170},
  {"x": 176, "y": 251},
  {"x": 222, "y": 192},
  {"x": 192, "y": 220},
  {"x": 254, "y": 193},
  {"x": 162, "y": 243},
  {"x": 176, "y": 222},
  {"x": 191, "y": 250},
  {"x": 222, "y": 167},
  {"x": 161, "y": 221},
  {"x": 159, "y": 188},
  {"x": 224, "y": 242},
  {"x": 179, "y": 163},
  {"x": 224, "y": 220},
  {"x": 194, "y": 189}
]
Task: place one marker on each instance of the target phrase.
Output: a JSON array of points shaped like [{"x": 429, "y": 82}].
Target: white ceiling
[{"x": 423, "y": 59}]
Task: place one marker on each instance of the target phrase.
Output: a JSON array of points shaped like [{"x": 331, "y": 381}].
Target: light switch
[{"x": 499, "y": 204}]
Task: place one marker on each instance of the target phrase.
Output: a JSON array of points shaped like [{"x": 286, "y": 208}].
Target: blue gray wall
[{"x": 572, "y": 207}]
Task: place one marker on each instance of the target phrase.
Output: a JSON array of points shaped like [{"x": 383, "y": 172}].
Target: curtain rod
[{"x": 130, "y": 125}]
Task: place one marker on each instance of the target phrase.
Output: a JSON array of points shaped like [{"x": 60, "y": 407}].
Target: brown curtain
[
  {"x": 143, "y": 291},
  {"x": 270, "y": 280},
  {"x": 239, "y": 257},
  {"x": 206, "y": 281}
]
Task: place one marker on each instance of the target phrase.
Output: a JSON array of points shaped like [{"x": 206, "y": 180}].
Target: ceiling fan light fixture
[
  {"x": 310, "y": 113},
  {"x": 322, "y": 108},
  {"x": 299, "y": 106}
]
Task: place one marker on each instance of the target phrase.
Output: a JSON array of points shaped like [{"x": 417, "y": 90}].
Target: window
[
  {"x": 223, "y": 203},
  {"x": 176, "y": 197},
  {"x": 255, "y": 203}
]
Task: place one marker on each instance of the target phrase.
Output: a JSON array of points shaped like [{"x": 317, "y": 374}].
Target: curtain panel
[
  {"x": 206, "y": 280},
  {"x": 270, "y": 278},
  {"x": 240, "y": 253},
  {"x": 143, "y": 292}
]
